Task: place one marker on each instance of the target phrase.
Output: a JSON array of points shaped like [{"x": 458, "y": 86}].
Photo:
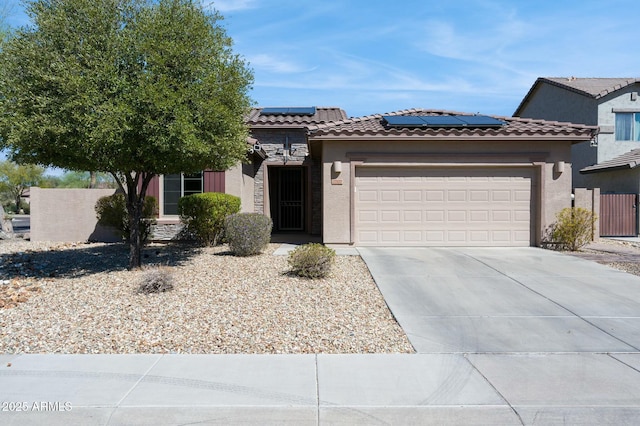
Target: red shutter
[
  {"x": 154, "y": 188},
  {"x": 213, "y": 181}
]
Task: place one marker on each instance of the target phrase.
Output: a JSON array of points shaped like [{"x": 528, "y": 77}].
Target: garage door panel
[
  {"x": 392, "y": 216},
  {"x": 479, "y": 196},
  {"x": 457, "y": 195},
  {"x": 434, "y": 195},
  {"x": 411, "y": 195},
  {"x": 390, "y": 196},
  {"x": 367, "y": 195},
  {"x": 368, "y": 216},
  {"x": 446, "y": 207}
]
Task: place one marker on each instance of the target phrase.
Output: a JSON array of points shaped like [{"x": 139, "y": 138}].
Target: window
[
  {"x": 177, "y": 186},
  {"x": 628, "y": 126}
]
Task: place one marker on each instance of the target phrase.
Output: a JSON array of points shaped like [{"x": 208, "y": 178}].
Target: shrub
[
  {"x": 156, "y": 279},
  {"x": 311, "y": 260},
  {"x": 247, "y": 233},
  {"x": 112, "y": 211},
  {"x": 573, "y": 228},
  {"x": 203, "y": 215}
]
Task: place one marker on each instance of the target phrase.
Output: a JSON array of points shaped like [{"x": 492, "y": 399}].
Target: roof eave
[
  {"x": 628, "y": 166},
  {"x": 571, "y": 138},
  {"x": 280, "y": 126}
]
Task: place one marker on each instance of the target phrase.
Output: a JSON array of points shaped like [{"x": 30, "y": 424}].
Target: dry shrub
[{"x": 156, "y": 279}]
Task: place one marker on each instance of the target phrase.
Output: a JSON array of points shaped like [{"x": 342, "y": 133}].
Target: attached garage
[
  {"x": 443, "y": 206},
  {"x": 434, "y": 178}
]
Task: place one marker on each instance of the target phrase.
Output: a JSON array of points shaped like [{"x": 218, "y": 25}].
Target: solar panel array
[
  {"x": 442, "y": 121},
  {"x": 288, "y": 111}
]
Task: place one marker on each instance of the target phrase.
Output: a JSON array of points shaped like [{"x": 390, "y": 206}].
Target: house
[
  {"x": 415, "y": 177},
  {"x": 610, "y": 162}
]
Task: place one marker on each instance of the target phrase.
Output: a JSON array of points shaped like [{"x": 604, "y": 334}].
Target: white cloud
[
  {"x": 229, "y": 5},
  {"x": 277, "y": 65}
]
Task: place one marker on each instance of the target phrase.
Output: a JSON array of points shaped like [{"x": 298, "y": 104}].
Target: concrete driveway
[
  {"x": 507, "y": 300},
  {"x": 556, "y": 336}
]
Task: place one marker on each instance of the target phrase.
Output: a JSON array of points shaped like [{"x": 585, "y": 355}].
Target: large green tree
[
  {"x": 135, "y": 88},
  {"x": 15, "y": 179}
]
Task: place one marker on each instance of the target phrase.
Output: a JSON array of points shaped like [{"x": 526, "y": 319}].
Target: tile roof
[
  {"x": 322, "y": 115},
  {"x": 628, "y": 160},
  {"x": 372, "y": 126},
  {"x": 595, "y": 88}
]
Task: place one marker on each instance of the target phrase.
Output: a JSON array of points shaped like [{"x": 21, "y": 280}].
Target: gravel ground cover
[
  {"x": 608, "y": 254},
  {"x": 79, "y": 298}
]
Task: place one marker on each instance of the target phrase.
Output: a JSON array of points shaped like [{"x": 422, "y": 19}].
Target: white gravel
[{"x": 89, "y": 303}]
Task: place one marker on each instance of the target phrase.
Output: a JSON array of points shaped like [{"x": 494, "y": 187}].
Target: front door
[{"x": 287, "y": 192}]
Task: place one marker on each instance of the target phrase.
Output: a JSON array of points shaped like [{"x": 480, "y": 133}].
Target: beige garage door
[{"x": 443, "y": 207}]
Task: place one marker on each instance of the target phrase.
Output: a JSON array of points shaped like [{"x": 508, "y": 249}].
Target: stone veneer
[
  {"x": 273, "y": 142},
  {"x": 166, "y": 231}
]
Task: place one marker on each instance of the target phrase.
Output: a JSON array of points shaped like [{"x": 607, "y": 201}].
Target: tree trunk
[
  {"x": 92, "y": 180},
  {"x": 135, "y": 240},
  {"x": 18, "y": 203},
  {"x": 135, "y": 193}
]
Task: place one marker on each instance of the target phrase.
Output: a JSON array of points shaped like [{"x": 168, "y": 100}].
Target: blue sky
[{"x": 378, "y": 56}]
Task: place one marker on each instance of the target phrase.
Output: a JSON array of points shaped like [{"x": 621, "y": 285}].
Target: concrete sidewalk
[{"x": 424, "y": 389}]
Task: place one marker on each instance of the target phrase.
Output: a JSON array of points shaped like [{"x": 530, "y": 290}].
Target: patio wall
[
  {"x": 67, "y": 215},
  {"x": 589, "y": 199}
]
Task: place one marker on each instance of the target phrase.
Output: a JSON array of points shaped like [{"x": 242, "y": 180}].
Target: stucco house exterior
[
  {"x": 610, "y": 162},
  {"x": 443, "y": 184},
  {"x": 415, "y": 177},
  {"x": 375, "y": 181}
]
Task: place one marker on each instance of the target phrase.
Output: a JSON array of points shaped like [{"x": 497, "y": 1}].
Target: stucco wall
[
  {"x": 555, "y": 188},
  {"x": 239, "y": 181},
  {"x": 589, "y": 199},
  {"x": 67, "y": 215},
  {"x": 619, "y": 181},
  {"x": 553, "y": 103}
]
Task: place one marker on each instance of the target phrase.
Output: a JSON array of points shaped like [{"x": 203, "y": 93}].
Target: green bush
[
  {"x": 311, "y": 260},
  {"x": 247, "y": 233},
  {"x": 112, "y": 211},
  {"x": 10, "y": 207},
  {"x": 573, "y": 229},
  {"x": 203, "y": 215}
]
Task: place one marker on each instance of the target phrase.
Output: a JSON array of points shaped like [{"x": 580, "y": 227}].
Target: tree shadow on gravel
[{"x": 68, "y": 261}]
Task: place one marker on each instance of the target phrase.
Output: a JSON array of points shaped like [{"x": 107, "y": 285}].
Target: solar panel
[
  {"x": 481, "y": 121},
  {"x": 302, "y": 110},
  {"x": 404, "y": 120},
  {"x": 288, "y": 111},
  {"x": 442, "y": 121}
]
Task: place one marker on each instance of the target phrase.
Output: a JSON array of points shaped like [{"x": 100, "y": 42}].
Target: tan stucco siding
[
  {"x": 239, "y": 181},
  {"x": 67, "y": 215},
  {"x": 551, "y": 191}
]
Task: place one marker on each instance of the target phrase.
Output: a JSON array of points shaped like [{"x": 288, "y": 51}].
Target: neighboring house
[{"x": 610, "y": 103}]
